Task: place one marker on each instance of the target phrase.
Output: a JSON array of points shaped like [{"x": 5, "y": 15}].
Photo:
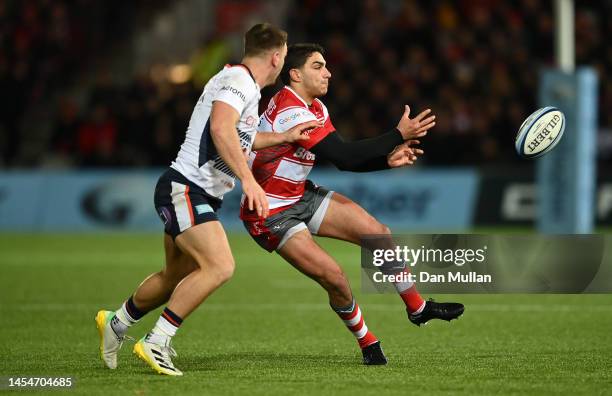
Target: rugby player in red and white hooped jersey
[{"x": 299, "y": 208}]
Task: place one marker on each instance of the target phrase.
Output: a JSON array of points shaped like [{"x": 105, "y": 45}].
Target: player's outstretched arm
[
  {"x": 358, "y": 156},
  {"x": 223, "y": 120},
  {"x": 373, "y": 154},
  {"x": 295, "y": 134},
  {"x": 402, "y": 155}
]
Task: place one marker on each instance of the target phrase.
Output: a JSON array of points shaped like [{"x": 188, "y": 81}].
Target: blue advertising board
[{"x": 123, "y": 200}]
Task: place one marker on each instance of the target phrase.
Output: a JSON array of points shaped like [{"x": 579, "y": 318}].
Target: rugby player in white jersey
[
  {"x": 187, "y": 196},
  {"x": 299, "y": 208}
]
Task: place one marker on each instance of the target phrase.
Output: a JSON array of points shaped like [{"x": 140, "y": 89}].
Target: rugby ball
[{"x": 540, "y": 132}]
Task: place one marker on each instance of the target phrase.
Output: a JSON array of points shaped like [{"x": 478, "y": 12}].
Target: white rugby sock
[{"x": 165, "y": 328}]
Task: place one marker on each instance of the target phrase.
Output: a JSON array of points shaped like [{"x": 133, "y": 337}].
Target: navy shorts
[{"x": 182, "y": 204}]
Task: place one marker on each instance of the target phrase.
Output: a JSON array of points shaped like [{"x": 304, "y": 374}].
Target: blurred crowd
[
  {"x": 474, "y": 62},
  {"x": 44, "y": 44},
  {"x": 142, "y": 124}
]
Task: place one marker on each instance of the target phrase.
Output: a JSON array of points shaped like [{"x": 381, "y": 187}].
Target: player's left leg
[
  {"x": 158, "y": 287},
  {"x": 154, "y": 291},
  {"x": 346, "y": 220},
  {"x": 287, "y": 234},
  {"x": 302, "y": 251}
]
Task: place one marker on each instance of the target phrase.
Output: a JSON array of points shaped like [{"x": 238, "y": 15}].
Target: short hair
[
  {"x": 263, "y": 37},
  {"x": 297, "y": 54}
]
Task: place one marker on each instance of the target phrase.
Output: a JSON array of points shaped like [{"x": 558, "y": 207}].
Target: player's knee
[
  {"x": 339, "y": 287},
  {"x": 335, "y": 278},
  {"x": 375, "y": 227},
  {"x": 384, "y": 230},
  {"x": 223, "y": 270}
]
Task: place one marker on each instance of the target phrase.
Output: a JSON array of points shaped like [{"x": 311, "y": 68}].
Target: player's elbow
[
  {"x": 345, "y": 168},
  {"x": 216, "y": 129}
]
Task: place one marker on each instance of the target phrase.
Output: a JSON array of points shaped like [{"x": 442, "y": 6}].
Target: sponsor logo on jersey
[
  {"x": 271, "y": 107},
  {"x": 289, "y": 118},
  {"x": 293, "y": 117},
  {"x": 304, "y": 154},
  {"x": 250, "y": 121},
  {"x": 234, "y": 91}
]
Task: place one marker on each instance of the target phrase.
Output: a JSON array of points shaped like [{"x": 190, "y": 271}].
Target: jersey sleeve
[
  {"x": 318, "y": 134},
  {"x": 236, "y": 90},
  {"x": 293, "y": 115}
]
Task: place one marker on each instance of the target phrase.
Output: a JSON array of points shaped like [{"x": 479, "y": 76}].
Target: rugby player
[
  {"x": 188, "y": 195},
  {"x": 300, "y": 209}
]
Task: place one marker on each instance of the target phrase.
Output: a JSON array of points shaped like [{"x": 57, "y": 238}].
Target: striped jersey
[
  {"x": 282, "y": 170},
  {"x": 198, "y": 159}
]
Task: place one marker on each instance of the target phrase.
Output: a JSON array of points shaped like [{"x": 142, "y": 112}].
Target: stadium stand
[{"x": 474, "y": 62}]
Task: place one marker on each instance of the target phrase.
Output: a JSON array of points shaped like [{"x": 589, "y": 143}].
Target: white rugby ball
[{"x": 540, "y": 132}]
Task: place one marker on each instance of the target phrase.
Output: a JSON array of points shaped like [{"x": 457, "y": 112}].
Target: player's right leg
[
  {"x": 301, "y": 251},
  {"x": 346, "y": 220},
  {"x": 207, "y": 245}
]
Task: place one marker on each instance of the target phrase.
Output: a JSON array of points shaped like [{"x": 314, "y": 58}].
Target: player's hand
[
  {"x": 297, "y": 132},
  {"x": 412, "y": 128},
  {"x": 404, "y": 154},
  {"x": 255, "y": 197}
]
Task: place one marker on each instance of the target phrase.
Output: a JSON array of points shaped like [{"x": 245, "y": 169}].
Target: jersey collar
[
  {"x": 245, "y": 67},
  {"x": 297, "y": 96}
]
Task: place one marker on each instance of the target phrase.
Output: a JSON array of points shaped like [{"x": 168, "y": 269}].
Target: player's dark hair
[
  {"x": 297, "y": 54},
  {"x": 263, "y": 37}
]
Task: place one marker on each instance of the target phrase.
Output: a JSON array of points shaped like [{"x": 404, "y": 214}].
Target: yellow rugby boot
[{"x": 157, "y": 356}]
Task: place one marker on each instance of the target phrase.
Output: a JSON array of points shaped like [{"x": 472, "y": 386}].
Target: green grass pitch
[{"x": 270, "y": 330}]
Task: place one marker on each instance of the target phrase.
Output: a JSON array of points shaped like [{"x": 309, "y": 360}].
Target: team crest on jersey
[
  {"x": 250, "y": 121},
  {"x": 166, "y": 217}
]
